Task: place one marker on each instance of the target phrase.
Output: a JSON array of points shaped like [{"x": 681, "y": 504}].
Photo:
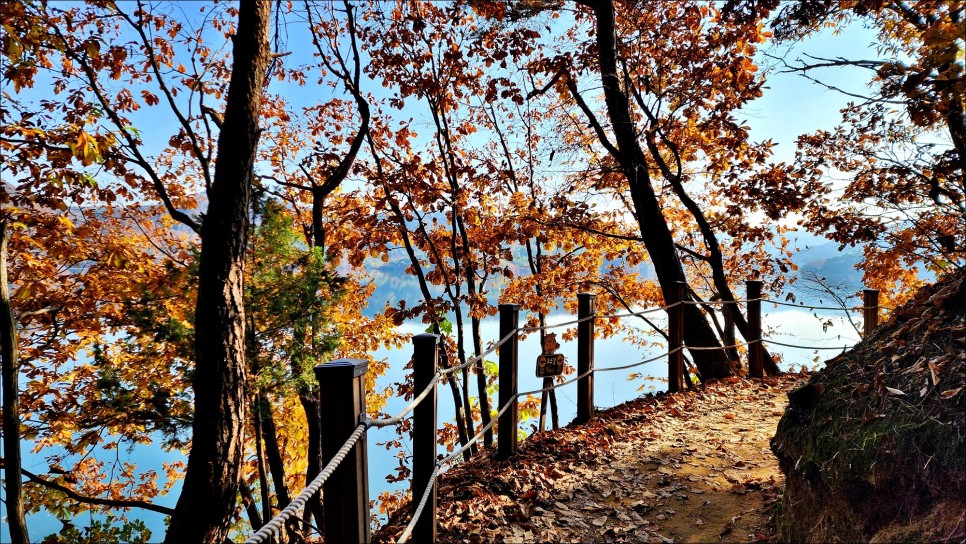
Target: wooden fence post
[
  {"x": 756, "y": 367},
  {"x": 675, "y": 355},
  {"x": 342, "y": 388},
  {"x": 586, "y": 308},
  {"x": 507, "y": 435},
  {"x": 870, "y": 312},
  {"x": 425, "y": 366}
]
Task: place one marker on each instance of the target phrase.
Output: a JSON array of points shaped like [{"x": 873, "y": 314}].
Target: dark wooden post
[
  {"x": 586, "y": 308},
  {"x": 870, "y": 312},
  {"x": 507, "y": 436},
  {"x": 425, "y": 366},
  {"x": 342, "y": 388},
  {"x": 675, "y": 357},
  {"x": 756, "y": 367}
]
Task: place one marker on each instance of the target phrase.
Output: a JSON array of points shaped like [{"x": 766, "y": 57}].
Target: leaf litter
[{"x": 685, "y": 467}]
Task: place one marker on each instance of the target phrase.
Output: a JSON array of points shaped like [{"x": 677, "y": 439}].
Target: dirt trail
[{"x": 691, "y": 467}]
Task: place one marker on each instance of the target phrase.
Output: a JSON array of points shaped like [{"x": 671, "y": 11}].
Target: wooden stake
[
  {"x": 507, "y": 435},
  {"x": 425, "y": 366},
  {"x": 342, "y": 385},
  {"x": 585, "y": 358}
]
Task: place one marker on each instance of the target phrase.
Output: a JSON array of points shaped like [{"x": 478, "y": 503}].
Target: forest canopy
[{"x": 199, "y": 201}]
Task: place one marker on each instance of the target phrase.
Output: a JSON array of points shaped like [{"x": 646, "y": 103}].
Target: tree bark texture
[
  {"x": 11, "y": 403},
  {"x": 207, "y": 502},
  {"x": 655, "y": 232}
]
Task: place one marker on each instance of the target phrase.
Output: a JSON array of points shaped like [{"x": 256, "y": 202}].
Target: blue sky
[{"x": 791, "y": 106}]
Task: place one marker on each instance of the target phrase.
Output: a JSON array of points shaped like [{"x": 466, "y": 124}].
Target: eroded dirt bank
[{"x": 874, "y": 447}]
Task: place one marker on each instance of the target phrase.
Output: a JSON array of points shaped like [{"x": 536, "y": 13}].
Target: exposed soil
[
  {"x": 687, "y": 467},
  {"x": 874, "y": 447}
]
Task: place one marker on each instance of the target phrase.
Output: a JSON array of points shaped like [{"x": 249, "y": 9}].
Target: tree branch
[
  {"x": 116, "y": 503},
  {"x": 159, "y": 187},
  {"x": 592, "y": 119}
]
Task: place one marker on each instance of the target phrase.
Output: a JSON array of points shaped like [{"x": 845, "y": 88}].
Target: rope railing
[
  {"x": 557, "y": 385},
  {"x": 840, "y": 348},
  {"x": 405, "y": 411},
  {"x": 642, "y": 312},
  {"x": 528, "y": 330},
  {"x": 427, "y": 470},
  {"x": 408, "y": 532},
  {"x": 476, "y": 438},
  {"x": 477, "y": 358},
  {"x": 714, "y": 302},
  {"x": 273, "y": 527},
  {"x": 833, "y": 308},
  {"x": 639, "y": 363},
  {"x": 444, "y": 463},
  {"x": 719, "y": 348}
]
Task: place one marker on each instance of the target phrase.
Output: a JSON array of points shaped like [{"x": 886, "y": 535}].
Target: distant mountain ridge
[{"x": 817, "y": 255}]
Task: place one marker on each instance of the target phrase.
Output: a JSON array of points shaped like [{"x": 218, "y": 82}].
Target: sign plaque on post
[{"x": 550, "y": 363}]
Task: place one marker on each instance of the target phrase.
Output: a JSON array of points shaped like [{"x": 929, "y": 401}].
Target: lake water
[{"x": 787, "y": 325}]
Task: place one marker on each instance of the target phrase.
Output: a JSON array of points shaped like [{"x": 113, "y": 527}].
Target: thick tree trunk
[
  {"x": 207, "y": 502},
  {"x": 11, "y": 402},
  {"x": 654, "y": 228}
]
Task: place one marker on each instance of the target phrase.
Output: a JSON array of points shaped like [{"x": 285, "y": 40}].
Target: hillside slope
[{"x": 874, "y": 446}]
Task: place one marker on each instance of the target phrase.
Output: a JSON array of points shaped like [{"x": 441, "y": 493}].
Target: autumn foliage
[{"x": 182, "y": 175}]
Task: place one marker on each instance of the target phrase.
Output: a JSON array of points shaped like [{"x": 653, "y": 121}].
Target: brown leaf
[
  {"x": 950, "y": 393},
  {"x": 933, "y": 373}
]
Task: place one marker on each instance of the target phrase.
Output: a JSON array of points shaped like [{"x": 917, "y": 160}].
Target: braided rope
[
  {"x": 717, "y": 348},
  {"x": 564, "y": 324},
  {"x": 718, "y": 302},
  {"x": 642, "y": 312},
  {"x": 422, "y": 504},
  {"x": 808, "y": 347},
  {"x": 477, "y": 358},
  {"x": 273, "y": 527},
  {"x": 639, "y": 363},
  {"x": 480, "y": 433},
  {"x": 839, "y": 308},
  {"x": 555, "y": 386},
  {"x": 407, "y": 533},
  {"x": 399, "y": 417},
  {"x": 635, "y": 314}
]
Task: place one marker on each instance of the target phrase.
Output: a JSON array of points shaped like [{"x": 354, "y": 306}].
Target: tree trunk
[
  {"x": 207, "y": 502},
  {"x": 11, "y": 402},
  {"x": 262, "y": 471},
  {"x": 654, "y": 228},
  {"x": 313, "y": 418},
  {"x": 481, "y": 383},
  {"x": 248, "y": 501},
  {"x": 276, "y": 465},
  {"x": 465, "y": 386},
  {"x": 427, "y": 296}
]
